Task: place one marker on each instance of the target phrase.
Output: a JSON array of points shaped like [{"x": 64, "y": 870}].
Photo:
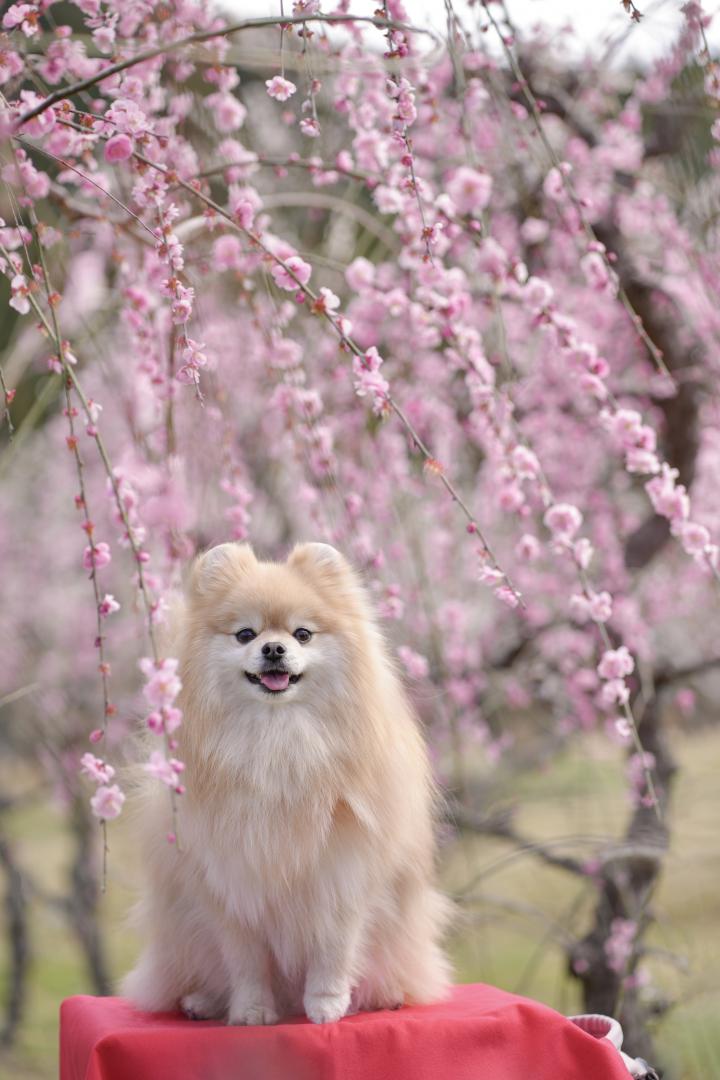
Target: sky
[{"x": 595, "y": 21}]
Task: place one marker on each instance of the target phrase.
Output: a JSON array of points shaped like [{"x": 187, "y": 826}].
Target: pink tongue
[{"x": 275, "y": 680}]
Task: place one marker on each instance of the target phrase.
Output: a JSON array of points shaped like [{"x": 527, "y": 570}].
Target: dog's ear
[
  {"x": 333, "y": 575},
  {"x": 325, "y": 564},
  {"x": 219, "y": 565},
  {"x": 321, "y": 557}
]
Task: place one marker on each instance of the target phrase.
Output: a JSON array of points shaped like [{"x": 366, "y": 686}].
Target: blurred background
[{"x": 569, "y": 889}]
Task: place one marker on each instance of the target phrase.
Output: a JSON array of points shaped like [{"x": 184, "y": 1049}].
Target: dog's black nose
[{"x": 273, "y": 650}]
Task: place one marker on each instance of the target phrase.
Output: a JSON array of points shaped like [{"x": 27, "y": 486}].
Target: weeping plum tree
[{"x": 448, "y": 302}]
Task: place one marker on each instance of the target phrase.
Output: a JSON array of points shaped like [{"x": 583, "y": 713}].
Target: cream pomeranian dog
[{"x": 305, "y": 879}]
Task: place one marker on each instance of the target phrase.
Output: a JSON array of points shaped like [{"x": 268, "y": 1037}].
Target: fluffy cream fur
[{"x": 305, "y": 877}]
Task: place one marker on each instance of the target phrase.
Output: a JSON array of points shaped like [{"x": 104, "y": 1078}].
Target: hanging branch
[{"x": 169, "y": 47}]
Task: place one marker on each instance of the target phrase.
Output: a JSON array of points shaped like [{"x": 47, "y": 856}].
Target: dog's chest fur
[{"x": 261, "y": 851}]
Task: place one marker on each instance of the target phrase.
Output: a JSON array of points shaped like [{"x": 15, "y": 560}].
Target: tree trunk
[
  {"x": 626, "y": 886},
  {"x": 18, "y": 945},
  {"x": 83, "y": 901}
]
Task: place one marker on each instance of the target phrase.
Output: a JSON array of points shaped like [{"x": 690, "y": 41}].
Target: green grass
[{"x": 511, "y": 935}]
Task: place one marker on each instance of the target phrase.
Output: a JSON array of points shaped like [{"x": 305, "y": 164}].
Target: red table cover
[{"x": 480, "y": 1033}]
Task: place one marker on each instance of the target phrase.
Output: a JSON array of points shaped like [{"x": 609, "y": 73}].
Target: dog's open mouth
[{"x": 273, "y": 682}]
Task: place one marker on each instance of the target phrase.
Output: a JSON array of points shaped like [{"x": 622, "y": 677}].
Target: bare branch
[{"x": 500, "y": 825}]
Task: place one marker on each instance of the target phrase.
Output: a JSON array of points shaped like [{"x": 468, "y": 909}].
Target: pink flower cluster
[
  {"x": 614, "y": 667},
  {"x": 96, "y": 556},
  {"x": 619, "y": 946},
  {"x": 368, "y": 380},
  {"x": 166, "y": 771},
  {"x": 160, "y": 691},
  {"x": 279, "y": 88},
  {"x": 107, "y": 802},
  {"x": 291, "y": 272},
  {"x": 672, "y": 501}
]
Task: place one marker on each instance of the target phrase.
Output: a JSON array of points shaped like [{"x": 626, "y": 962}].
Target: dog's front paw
[
  {"x": 325, "y": 1008},
  {"x": 251, "y": 1010},
  {"x": 199, "y": 1006}
]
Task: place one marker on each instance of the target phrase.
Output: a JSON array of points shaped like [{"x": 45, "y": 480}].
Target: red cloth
[{"x": 479, "y": 1034}]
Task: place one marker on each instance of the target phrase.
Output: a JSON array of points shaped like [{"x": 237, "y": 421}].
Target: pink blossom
[
  {"x": 11, "y": 64},
  {"x": 525, "y": 463},
  {"x": 165, "y": 720},
  {"x": 694, "y": 538},
  {"x": 167, "y": 771},
  {"x": 619, "y": 946},
  {"x": 527, "y": 548},
  {"x": 507, "y": 595},
  {"x": 39, "y": 125},
  {"x": 370, "y": 383},
  {"x": 492, "y": 258},
  {"x": 194, "y": 360},
  {"x": 622, "y": 728},
  {"x": 597, "y": 274},
  {"x": 104, "y": 38},
  {"x": 108, "y": 605},
  {"x": 279, "y": 88},
  {"x": 583, "y": 552},
  {"x": 616, "y": 663},
  {"x": 638, "y": 766},
  {"x": 23, "y": 174},
  {"x": 94, "y": 408},
  {"x": 107, "y": 802},
  {"x": 97, "y": 769},
  {"x": 563, "y": 520},
  {"x": 310, "y": 127},
  {"x": 20, "y": 290},
  {"x": 127, "y": 117},
  {"x": 229, "y": 113},
  {"x": 579, "y": 607},
  {"x": 163, "y": 684},
  {"x": 626, "y": 426},
  {"x": 283, "y": 273},
  {"x": 600, "y": 606},
  {"x": 591, "y": 384},
  {"x": 227, "y": 253},
  {"x": 360, "y": 274},
  {"x": 327, "y": 301},
  {"x": 96, "y": 556},
  {"x": 182, "y": 305},
  {"x": 23, "y": 15},
  {"x": 490, "y": 575},
  {"x": 118, "y": 148},
  {"x": 372, "y": 360},
  {"x": 244, "y": 203},
  {"x": 686, "y": 700},
  {"x": 511, "y": 497},
  {"x": 469, "y": 189},
  {"x": 667, "y": 497},
  {"x": 534, "y": 230},
  {"x": 414, "y": 663},
  {"x": 638, "y": 460},
  {"x": 614, "y": 692},
  {"x": 554, "y": 183},
  {"x": 538, "y": 292}
]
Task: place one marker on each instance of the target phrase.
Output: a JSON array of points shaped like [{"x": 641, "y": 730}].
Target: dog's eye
[
  {"x": 302, "y": 635},
  {"x": 245, "y": 636}
]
